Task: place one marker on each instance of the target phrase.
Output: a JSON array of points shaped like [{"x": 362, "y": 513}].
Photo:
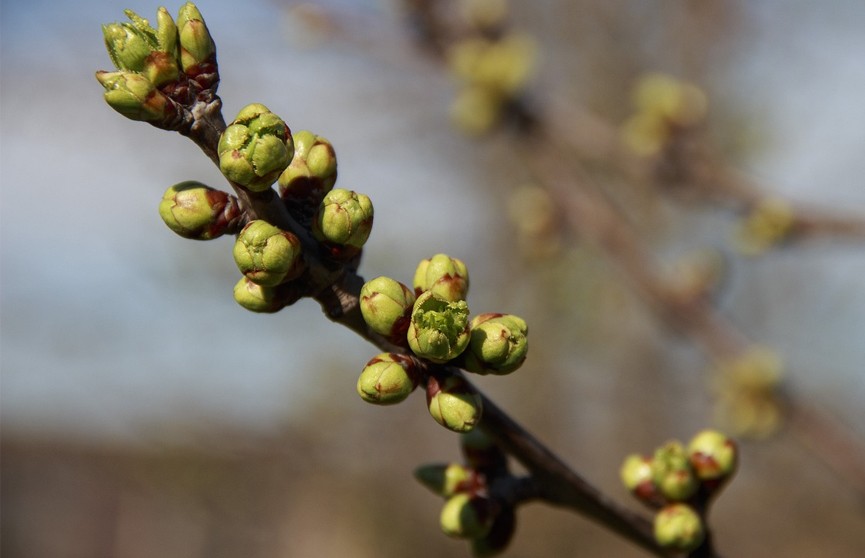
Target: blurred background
[{"x": 144, "y": 413}]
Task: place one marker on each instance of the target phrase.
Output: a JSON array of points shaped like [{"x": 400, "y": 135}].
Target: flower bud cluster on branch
[{"x": 680, "y": 482}]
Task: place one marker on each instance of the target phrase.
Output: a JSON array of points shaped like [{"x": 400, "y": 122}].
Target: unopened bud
[
  {"x": 255, "y": 148},
  {"x": 312, "y": 172},
  {"x": 453, "y": 403},
  {"x": 196, "y": 44},
  {"x": 265, "y": 254},
  {"x": 466, "y": 516},
  {"x": 445, "y": 479},
  {"x": 387, "y": 379},
  {"x": 713, "y": 456},
  {"x": 672, "y": 473},
  {"x": 386, "y": 306},
  {"x": 199, "y": 212},
  {"x": 344, "y": 218},
  {"x": 445, "y": 276},
  {"x": 678, "y": 527},
  {"x": 498, "y": 344},
  {"x": 257, "y": 298}
]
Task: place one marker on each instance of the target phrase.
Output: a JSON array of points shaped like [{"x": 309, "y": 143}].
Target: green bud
[
  {"x": 445, "y": 276},
  {"x": 196, "y": 211},
  {"x": 312, "y": 172},
  {"x": 453, "y": 403},
  {"x": 196, "y": 44},
  {"x": 466, "y": 516},
  {"x": 134, "y": 96},
  {"x": 678, "y": 527},
  {"x": 265, "y": 254},
  {"x": 129, "y": 44},
  {"x": 257, "y": 298},
  {"x": 445, "y": 479},
  {"x": 344, "y": 218},
  {"x": 672, "y": 473},
  {"x": 439, "y": 330},
  {"x": 498, "y": 344},
  {"x": 713, "y": 456},
  {"x": 386, "y": 306},
  {"x": 638, "y": 477},
  {"x": 255, "y": 148},
  {"x": 387, "y": 379}
]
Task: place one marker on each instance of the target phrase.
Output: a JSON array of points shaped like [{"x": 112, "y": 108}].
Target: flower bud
[
  {"x": 134, "y": 96},
  {"x": 196, "y": 44},
  {"x": 678, "y": 527},
  {"x": 453, "y": 403},
  {"x": 386, "y": 306},
  {"x": 255, "y": 148},
  {"x": 265, "y": 254},
  {"x": 257, "y": 298},
  {"x": 439, "y": 330},
  {"x": 445, "y": 276},
  {"x": 498, "y": 344},
  {"x": 637, "y": 476},
  {"x": 445, "y": 480},
  {"x": 466, "y": 516},
  {"x": 344, "y": 218},
  {"x": 196, "y": 211},
  {"x": 713, "y": 456},
  {"x": 672, "y": 473},
  {"x": 312, "y": 172},
  {"x": 138, "y": 47},
  {"x": 387, "y": 379}
]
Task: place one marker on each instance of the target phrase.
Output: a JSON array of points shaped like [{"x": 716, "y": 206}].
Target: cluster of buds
[
  {"x": 162, "y": 73},
  {"x": 767, "y": 224},
  {"x": 678, "y": 481},
  {"x": 493, "y": 66},
  {"x": 432, "y": 321},
  {"x": 664, "y": 108},
  {"x": 470, "y": 511},
  {"x": 747, "y": 386},
  {"x": 159, "y": 71}
]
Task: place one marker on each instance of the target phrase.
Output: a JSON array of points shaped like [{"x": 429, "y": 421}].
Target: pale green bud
[
  {"x": 344, "y": 218},
  {"x": 312, "y": 172},
  {"x": 638, "y": 477},
  {"x": 256, "y": 298},
  {"x": 134, "y": 96},
  {"x": 713, "y": 456},
  {"x": 672, "y": 473},
  {"x": 678, "y": 527},
  {"x": 196, "y": 211},
  {"x": 387, "y": 379},
  {"x": 466, "y": 516},
  {"x": 386, "y": 306},
  {"x": 445, "y": 276},
  {"x": 439, "y": 329},
  {"x": 255, "y": 148},
  {"x": 196, "y": 44},
  {"x": 138, "y": 47},
  {"x": 498, "y": 344},
  {"x": 266, "y": 254},
  {"x": 453, "y": 403},
  {"x": 445, "y": 479}
]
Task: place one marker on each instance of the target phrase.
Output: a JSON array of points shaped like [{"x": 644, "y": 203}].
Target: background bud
[
  {"x": 344, "y": 218},
  {"x": 453, "y": 403},
  {"x": 387, "y": 379},
  {"x": 445, "y": 479},
  {"x": 255, "y": 148},
  {"x": 497, "y": 345},
  {"x": 312, "y": 172},
  {"x": 386, "y": 305},
  {"x": 439, "y": 330},
  {"x": 713, "y": 455},
  {"x": 672, "y": 473},
  {"x": 678, "y": 527},
  {"x": 445, "y": 276},
  {"x": 265, "y": 254},
  {"x": 199, "y": 212},
  {"x": 466, "y": 516}
]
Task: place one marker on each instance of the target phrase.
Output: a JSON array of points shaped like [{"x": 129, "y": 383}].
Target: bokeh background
[{"x": 145, "y": 414}]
